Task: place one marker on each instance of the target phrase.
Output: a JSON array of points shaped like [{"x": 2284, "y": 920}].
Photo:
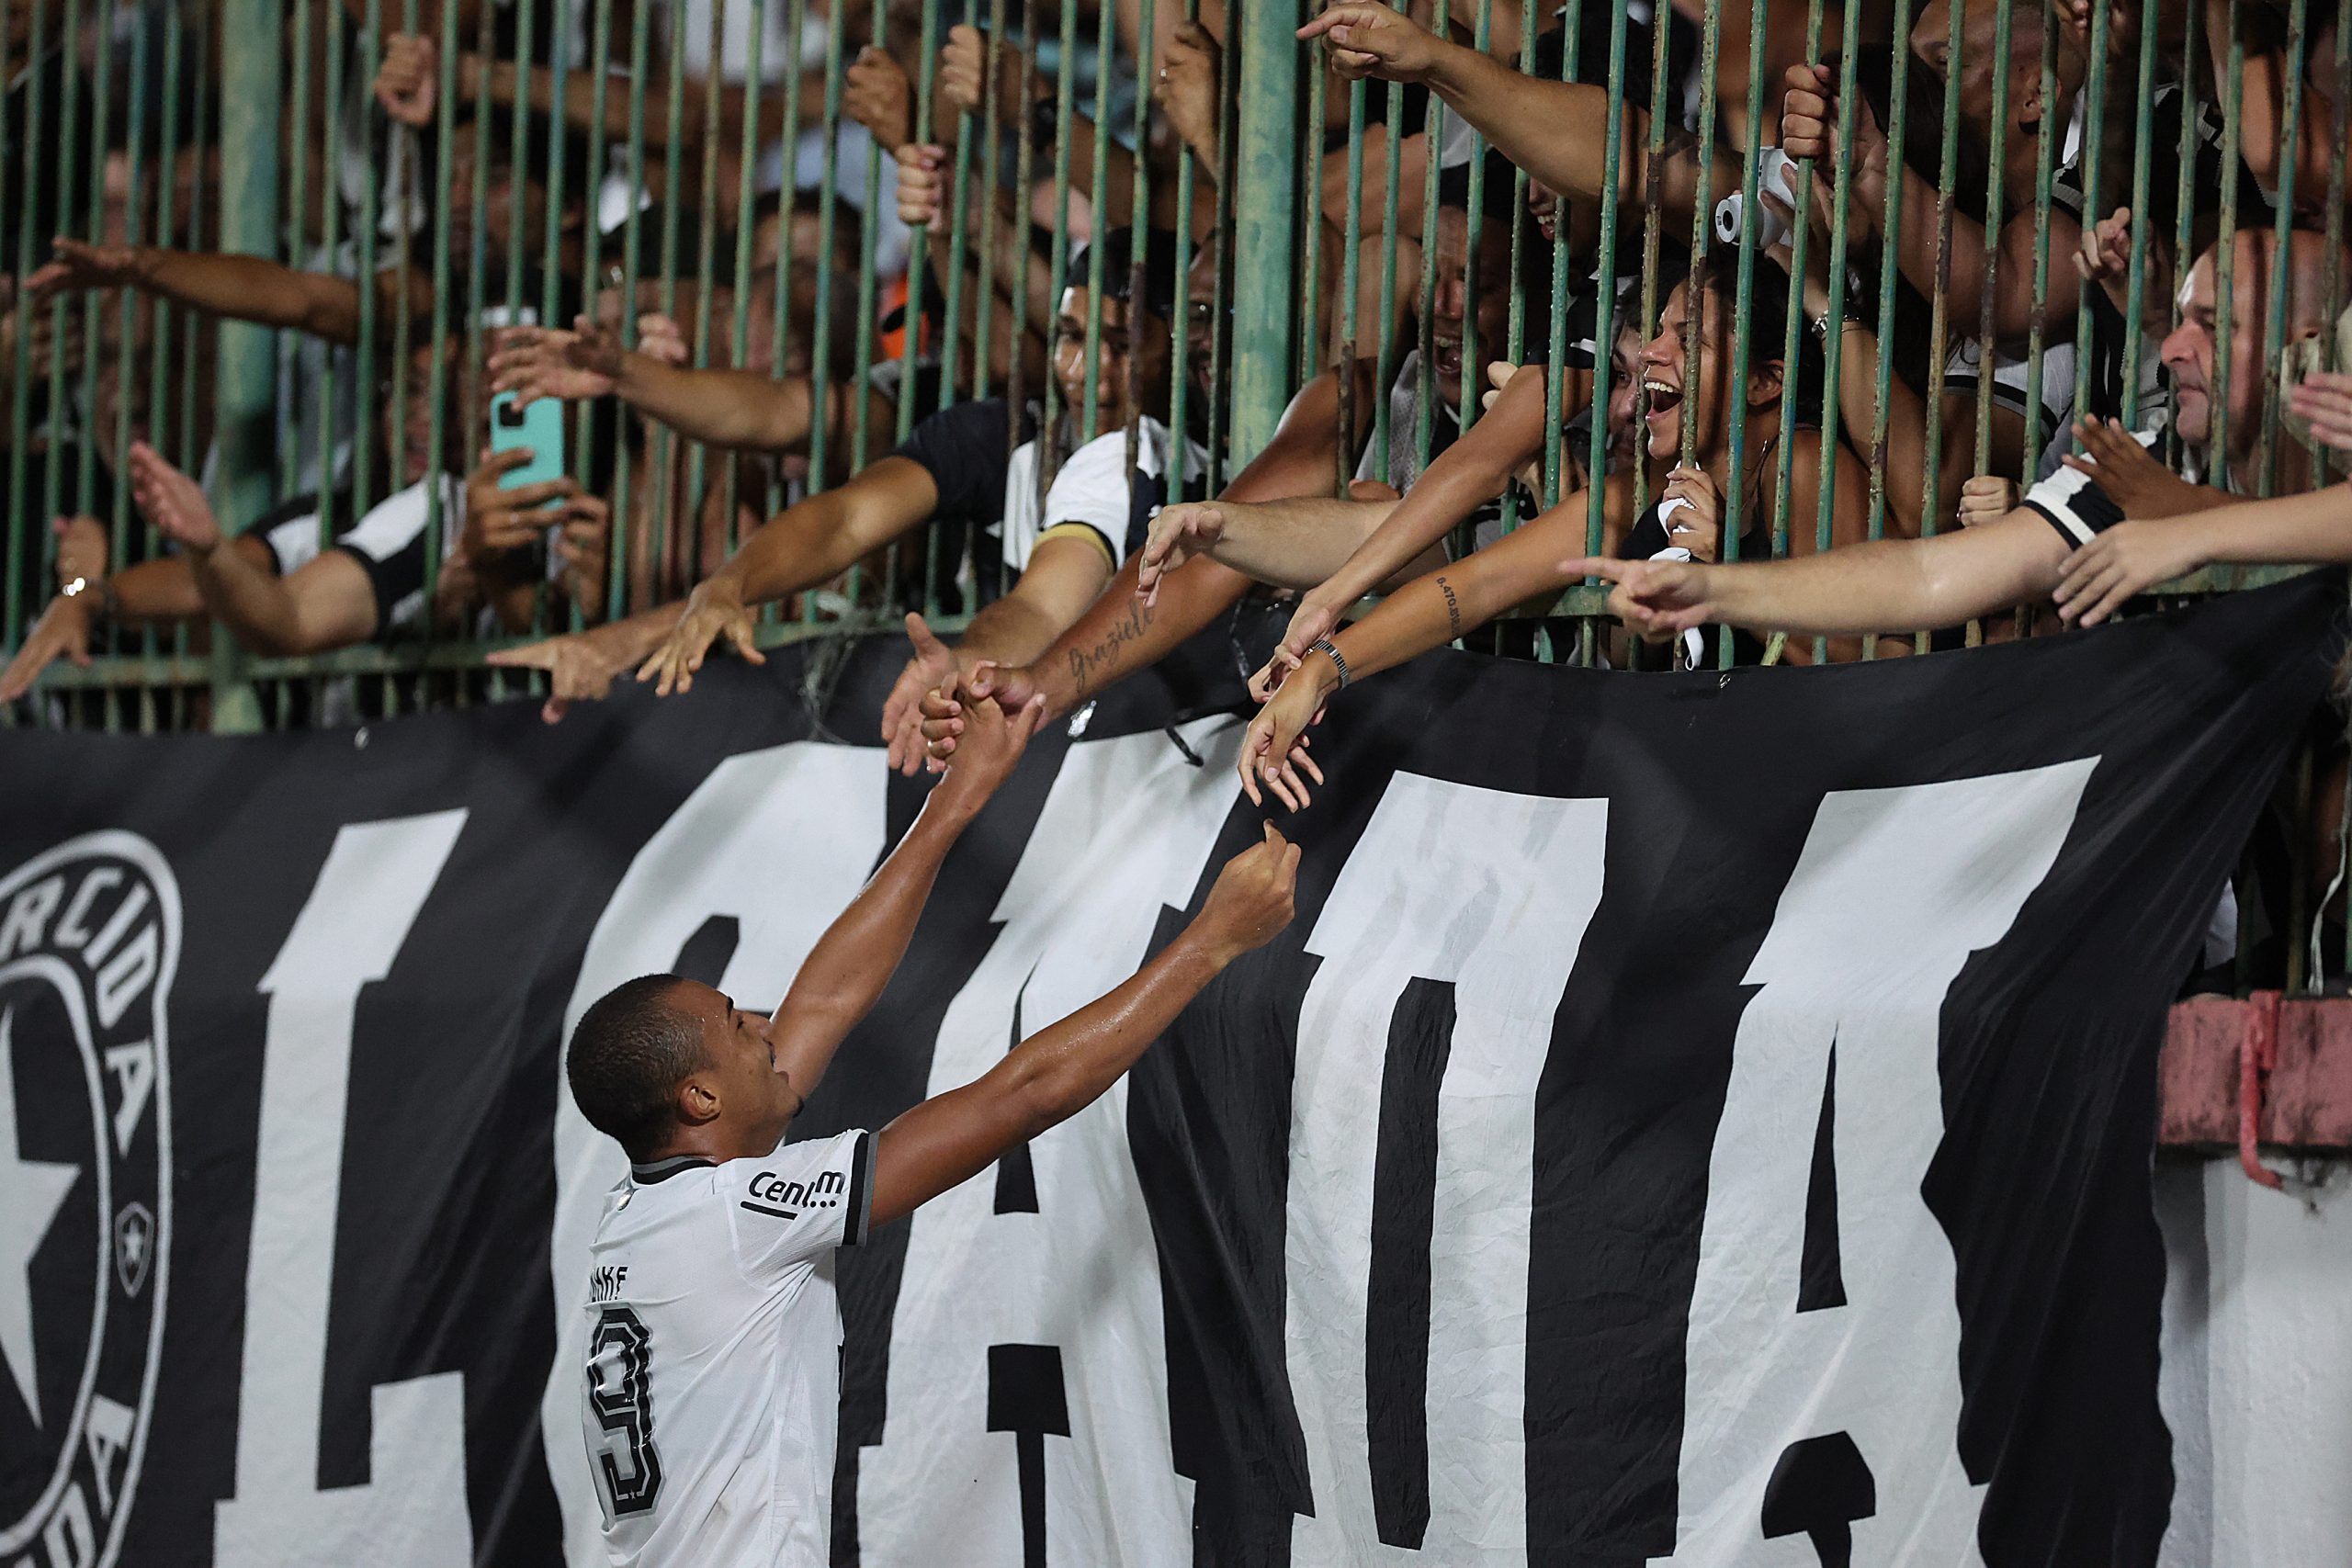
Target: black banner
[{"x": 1688, "y": 1112}]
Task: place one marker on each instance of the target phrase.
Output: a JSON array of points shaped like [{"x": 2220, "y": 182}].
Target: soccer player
[{"x": 714, "y": 1332}]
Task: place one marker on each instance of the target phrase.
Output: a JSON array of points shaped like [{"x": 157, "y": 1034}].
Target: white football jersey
[{"x": 712, "y": 1389}]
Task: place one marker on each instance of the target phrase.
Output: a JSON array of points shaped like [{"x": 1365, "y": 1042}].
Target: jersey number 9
[{"x": 620, "y": 1392}]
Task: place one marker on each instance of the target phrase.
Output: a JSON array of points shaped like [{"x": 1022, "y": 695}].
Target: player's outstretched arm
[
  {"x": 845, "y": 973},
  {"x": 1060, "y": 1071}
]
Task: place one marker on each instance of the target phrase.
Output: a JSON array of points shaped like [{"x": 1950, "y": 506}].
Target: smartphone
[{"x": 539, "y": 427}]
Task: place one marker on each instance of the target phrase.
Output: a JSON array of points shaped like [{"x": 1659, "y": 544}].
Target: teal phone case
[{"x": 539, "y": 427}]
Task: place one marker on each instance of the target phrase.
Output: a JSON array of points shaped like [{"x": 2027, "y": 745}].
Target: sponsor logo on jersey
[
  {"x": 770, "y": 1194},
  {"x": 89, "y": 940}
]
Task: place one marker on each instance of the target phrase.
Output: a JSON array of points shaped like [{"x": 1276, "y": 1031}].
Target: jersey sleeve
[
  {"x": 2072, "y": 502},
  {"x": 964, "y": 447},
  {"x": 1091, "y": 494},
  {"x": 388, "y": 544},
  {"x": 803, "y": 1199}
]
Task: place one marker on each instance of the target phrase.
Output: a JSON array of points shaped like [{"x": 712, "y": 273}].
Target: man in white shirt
[{"x": 709, "y": 1401}]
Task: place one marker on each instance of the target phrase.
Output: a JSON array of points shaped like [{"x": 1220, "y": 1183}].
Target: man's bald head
[{"x": 2191, "y": 354}]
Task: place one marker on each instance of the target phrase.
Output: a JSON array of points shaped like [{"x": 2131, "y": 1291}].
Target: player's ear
[{"x": 696, "y": 1100}]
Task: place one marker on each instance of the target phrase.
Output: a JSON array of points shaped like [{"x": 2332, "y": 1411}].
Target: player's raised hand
[
  {"x": 992, "y": 743},
  {"x": 1178, "y": 532},
  {"x": 1369, "y": 39},
  {"x": 932, "y": 668},
  {"x": 1254, "y": 895},
  {"x": 714, "y": 610}
]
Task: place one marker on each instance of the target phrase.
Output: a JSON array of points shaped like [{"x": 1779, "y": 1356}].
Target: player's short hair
[{"x": 630, "y": 1053}]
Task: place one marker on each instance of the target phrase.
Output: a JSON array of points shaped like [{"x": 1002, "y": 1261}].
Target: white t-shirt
[
  {"x": 711, "y": 1397},
  {"x": 1092, "y": 488}
]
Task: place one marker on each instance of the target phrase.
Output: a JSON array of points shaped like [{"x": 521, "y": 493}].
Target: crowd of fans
[{"x": 743, "y": 252}]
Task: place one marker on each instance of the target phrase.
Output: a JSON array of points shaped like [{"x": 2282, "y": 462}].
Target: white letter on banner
[
  {"x": 411, "y": 1512},
  {"x": 1491, "y": 891},
  {"x": 1125, "y": 831},
  {"x": 1896, "y": 888},
  {"x": 781, "y": 840}
]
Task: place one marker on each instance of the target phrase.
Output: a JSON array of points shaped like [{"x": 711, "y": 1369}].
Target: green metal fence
[{"x": 305, "y": 228}]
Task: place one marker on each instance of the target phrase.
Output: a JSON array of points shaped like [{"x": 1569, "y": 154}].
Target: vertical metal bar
[
  {"x": 2324, "y": 459},
  {"x": 2283, "y": 269},
  {"x": 821, "y": 350},
  {"x": 1310, "y": 270},
  {"x": 298, "y": 189},
  {"x": 665, "y": 535},
  {"x": 1604, "y": 310},
  {"x": 592, "y": 261},
  {"x": 1050, "y": 441},
  {"x": 746, "y": 199},
  {"x": 2185, "y": 209},
  {"x": 1515, "y": 326},
  {"x": 1221, "y": 340},
  {"x": 1390, "y": 197},
  {"x": 991, "y": 183},
  {"x": 2094, "y": 205},
  {"x": 1653, "y": 226},
  {"x": 1023, "y": 177},
  {"x": 1840, "y": 210},
  {"x": 126, "y": 378},
  {"x": 625, "y": 553},
  {"x": 160, "y": 360},
  {"x": 959, "y": 211},
  {"x": 20, "y": 399},
  {"x": 2225, "y": 267},
  {"x": 862, "y": 351},
  {"x": 796, "y": 17},
  {"x": 330, "y": 249},
  {"x": 68, "y": 120},
  {"x": 1425, "y": 322},
  {"x": 444, "y": 131},
  {"x": 1995, "y": 205},
  {"x": 1792, "y": 341},
  {"x": 706, "y": 264},
  {"x": 1703, "y": 210},
  {"x": 1098, "y": 200},
  {"x": 250, "y": 87},
  {"x": 1139, "y": 271},
  {"x": 1890, "y": 273},
  {"x": 1180, "y": 334},
  {"x": 1265, "y": 179},
  {"x": 363, "y": 453},
  {"x": 93, "y": 303},
  {"x": 1556, "y": 345},
  {"x": 2143, "y": 178},
  {"x": 919, "y": 249},
  {"x": 1939, "y": 320},
  {"x": 2045, "y": 176}
]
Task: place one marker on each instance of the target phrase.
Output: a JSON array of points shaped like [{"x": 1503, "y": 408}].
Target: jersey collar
[{"x": 662, "y": 1169}]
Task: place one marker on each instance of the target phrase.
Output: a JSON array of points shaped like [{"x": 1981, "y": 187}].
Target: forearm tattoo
[
  {"x": 1087, "y": 663},
  {"x": 1452, "y": 609}
]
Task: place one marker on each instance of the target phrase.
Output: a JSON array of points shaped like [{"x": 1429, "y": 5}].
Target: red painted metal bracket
[{"x": 2263, "y": 1072}]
